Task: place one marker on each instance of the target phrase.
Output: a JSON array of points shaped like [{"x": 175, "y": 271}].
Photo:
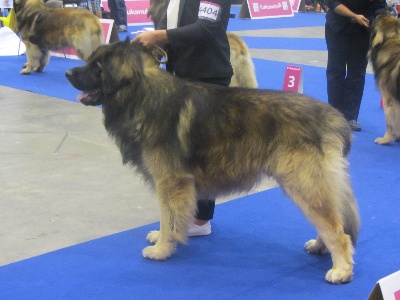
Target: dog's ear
[{"x": 121, "y": 69}]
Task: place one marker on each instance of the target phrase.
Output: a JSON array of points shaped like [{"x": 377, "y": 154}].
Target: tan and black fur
[
  {"x": 43, "y": 29},
  {"x": 243, "y": 68},
  {"x": 190, "y": 140},
  {"x": 385, "y": 58}
]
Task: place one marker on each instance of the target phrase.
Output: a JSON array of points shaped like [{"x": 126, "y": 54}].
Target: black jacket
[
  {"x": 199, "y": 48},
  {"x": 367, "y": 8}
]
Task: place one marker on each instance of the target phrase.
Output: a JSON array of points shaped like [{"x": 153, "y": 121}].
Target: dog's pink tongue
[{"x": 82, "y": 95}]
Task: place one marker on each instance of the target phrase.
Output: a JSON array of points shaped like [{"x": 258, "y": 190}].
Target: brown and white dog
[{"x": 43, "y": 29}]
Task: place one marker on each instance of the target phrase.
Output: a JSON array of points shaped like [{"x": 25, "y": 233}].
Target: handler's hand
[
  {"x": 149, "y": 39},
  {"x": 363, "y": 21}
]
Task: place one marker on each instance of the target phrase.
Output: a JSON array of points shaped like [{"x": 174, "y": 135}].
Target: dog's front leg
[
  {"x": 34, "y": 55},
  {"x": 392, "y": 115},
  {"x": 177, "y": 199}
]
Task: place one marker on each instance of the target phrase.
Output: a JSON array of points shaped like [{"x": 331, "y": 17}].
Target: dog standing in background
[
  {"x": 384, "y": 54},
  {"x": 191, "y": 139},
  {"x": 43, "y": 29},
  {"x": 243, "y": 68}
]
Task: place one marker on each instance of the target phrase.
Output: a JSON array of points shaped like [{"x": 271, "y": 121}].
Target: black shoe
[{"x": 354, "y": 125}]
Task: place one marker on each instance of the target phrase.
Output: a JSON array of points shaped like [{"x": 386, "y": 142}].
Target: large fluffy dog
[
  {"x": 43, "y": 29},
  {"x": 192, "y": 139},
  {"x": 243, "y": 68},
  {"x": 385, "y": 57}
]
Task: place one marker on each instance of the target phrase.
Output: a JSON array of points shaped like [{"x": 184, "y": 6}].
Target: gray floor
[{"x": 61, "y": 177}]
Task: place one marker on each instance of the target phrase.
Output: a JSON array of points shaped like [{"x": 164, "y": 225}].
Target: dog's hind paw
[
  {"x": 316, "y": 247},
  {"x": 382, "y": 141},
  {"x": 158, "y": 252},
  {"x": 338, "y": 276},
  {"x": 153, "y": 236}
]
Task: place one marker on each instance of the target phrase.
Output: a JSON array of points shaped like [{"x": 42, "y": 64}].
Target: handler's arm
[
  {"x": 342, "y": 10},
  {"x": 149, "y": 39}
]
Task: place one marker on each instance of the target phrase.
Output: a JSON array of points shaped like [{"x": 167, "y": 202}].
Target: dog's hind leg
[
  {"x": 321, "y": 188},
  {"x": 43, "y": 61},
  {"x": 177, "y": 199}
]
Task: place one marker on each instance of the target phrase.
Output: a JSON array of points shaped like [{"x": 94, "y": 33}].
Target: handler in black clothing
[
  {"x": 347, "y": 38},
  {"x": 198, "y": 50}
]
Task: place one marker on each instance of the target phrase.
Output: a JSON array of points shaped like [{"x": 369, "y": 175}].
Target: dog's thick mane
[
  {"x": 29, "y": 12},
  {"x": 140, "y": 84}
]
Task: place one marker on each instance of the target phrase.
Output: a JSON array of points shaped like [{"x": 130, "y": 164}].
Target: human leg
[
  {"x": 121, "y": 15},
  {"x": 96, "y": 9},
  {"x": 113, "y": 9},
  {"x": 201, "y": 222},
  {"x": 356, "y": 69},
  {"x": 336, "y": 68}
]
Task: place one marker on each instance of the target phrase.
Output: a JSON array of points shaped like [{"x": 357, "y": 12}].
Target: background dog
[
  {"x": 43, "y": 29},
  {"x": 385, "y": 57},
  {"x": 243, "y": 68},
  {"x": 193, "y": 139}
]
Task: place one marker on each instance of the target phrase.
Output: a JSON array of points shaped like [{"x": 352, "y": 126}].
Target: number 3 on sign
[{"x": 293, "y": 80}]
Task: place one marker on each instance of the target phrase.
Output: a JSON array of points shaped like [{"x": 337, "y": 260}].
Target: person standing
[
  {"x": 347, "y": 38},
  {"x": 96, "y": 8},
  {"x": 194, "y": 35},
  {"x": 119, "y": 14}
]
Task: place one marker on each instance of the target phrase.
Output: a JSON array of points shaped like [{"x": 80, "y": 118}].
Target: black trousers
[
  {"x": 118, "y": 12},
  {"x": 205, "y": 209},
  {"x": 347, "y": 64}
]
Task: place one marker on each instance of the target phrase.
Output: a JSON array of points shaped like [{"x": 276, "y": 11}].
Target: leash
[{"x": 159, "y": 52}]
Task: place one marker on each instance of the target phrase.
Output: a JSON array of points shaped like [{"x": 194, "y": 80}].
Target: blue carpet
[
  {"x": 285, "y": 43},
  {"x": 256, "y": 248},
  {"x": 298, "y": 20}
]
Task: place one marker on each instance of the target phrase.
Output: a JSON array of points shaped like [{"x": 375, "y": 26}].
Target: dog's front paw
[
  {"x": 153, "y": 236},
  {"x": 383, "y": 141},
  {"x": 158, "y": 252},
  {"x": 316, "y": 247},
  {"x": 338, "y": 276},
  {"x": 25, "y": 71}
]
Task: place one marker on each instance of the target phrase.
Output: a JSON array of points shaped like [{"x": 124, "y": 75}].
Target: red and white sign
[
  {"x": 70, "y": 53},
  {"x": 295, "y": 5},
  {"x": 136, "y": 10},
  {"x": 293, "y": 80},
  {"x": 390, "y": 286},
  {"x": 260, "y": 9}
]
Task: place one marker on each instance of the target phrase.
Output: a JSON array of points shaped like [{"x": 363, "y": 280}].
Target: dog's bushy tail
[
  {"x": 347, "y": 203},
  {"x": 242, "y": 64},
  {"x": 349, "y": 207},
  {"x": 350, "y": 216}
]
